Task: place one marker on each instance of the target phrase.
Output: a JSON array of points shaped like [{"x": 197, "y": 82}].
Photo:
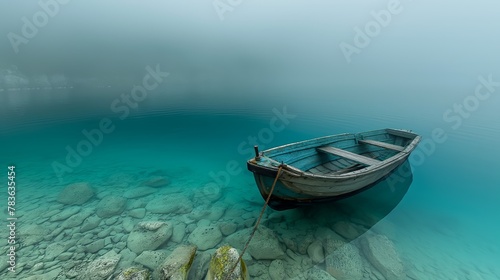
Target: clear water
[
  {"x": 444, "y": 227},
  {"x": 228, "y": 79}
]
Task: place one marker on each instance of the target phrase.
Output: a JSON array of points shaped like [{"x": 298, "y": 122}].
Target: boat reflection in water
[{"x": 349, "y": 217}]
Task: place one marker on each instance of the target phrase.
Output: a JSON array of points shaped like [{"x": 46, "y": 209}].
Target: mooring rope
[{"x": 257, "y": 223}]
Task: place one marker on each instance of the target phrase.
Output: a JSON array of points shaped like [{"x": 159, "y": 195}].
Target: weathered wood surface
[
  {"x": 348, "y": 155},
  {"x": 382, "y": 145}
]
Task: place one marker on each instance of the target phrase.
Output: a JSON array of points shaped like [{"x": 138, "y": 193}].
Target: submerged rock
[
  {"x": 95, "y": 246},
  {"x": 318, "y": 274},
  {"x": 315, "y": 252},
  {"x": 345, "y": 263},
  {"x": 110, "y": 206},
  {"x": 156, "y": 182},
  {"x": 138, "y": 213},
  {"x": 90, "y": 223},
  {"x": 102, "y": 267},
  {"x": 176, "y": 266},
  {"x": 55, "y": 249},
  {"x": 53, "y": 274},
  {"x": 223, "y": 262},
  {"x": 264, "y": 245},
  {"x": 200, "y": 266},
  {"x": 133, "y": 273},
  {"x": 148, "y": 236},
  {"x": 139, "y": 192},
  {"x": 205, "y": 237},
  {"x": 171, "y": 203},
  {"x": 277, "y": 270},
  {"x": 66, "y": 213},
  {"x": 346, "y": 229},
  {"x": 379, "y": 250},
  {"x": 77, "y": 193},
  {"x": 151, "y": 259},
  {"x": 77, "y": 219},
  {"x": 179, "y": 232}
]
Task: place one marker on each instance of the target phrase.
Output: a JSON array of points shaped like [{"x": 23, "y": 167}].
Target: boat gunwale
[{"x": 366, "y": 170}]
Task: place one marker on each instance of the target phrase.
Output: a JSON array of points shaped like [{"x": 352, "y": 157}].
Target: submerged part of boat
[{"x": 331, "y": 167}]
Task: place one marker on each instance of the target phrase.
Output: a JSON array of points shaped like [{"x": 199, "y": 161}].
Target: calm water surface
[{"x": 443, "y": 228}]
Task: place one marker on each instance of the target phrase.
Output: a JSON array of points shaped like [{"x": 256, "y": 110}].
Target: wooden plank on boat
[
  {"x": 348, "y": 155},
  {"x": 383, "y": 145},
  {"x": 400, "y": 133}
]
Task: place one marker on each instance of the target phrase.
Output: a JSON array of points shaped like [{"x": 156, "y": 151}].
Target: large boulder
[
  {"x": 77, "y": 193},
  {"x": 379, "y": 250},
  {"x": 110, "y": 206},
  {"x": 148, "y": 236},
  {"x": 176, "y": 265},
  {"x": 222, "y": 264}
]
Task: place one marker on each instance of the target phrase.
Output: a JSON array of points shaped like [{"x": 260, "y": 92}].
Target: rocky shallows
[{"x": 163, "y": 230}]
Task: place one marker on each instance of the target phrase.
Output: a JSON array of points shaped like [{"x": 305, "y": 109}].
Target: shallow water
[{"x": 443, "y": 228}]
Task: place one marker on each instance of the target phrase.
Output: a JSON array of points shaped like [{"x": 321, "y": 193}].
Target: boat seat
[
  {"x": 382, "y": 145},
  {"x": 348, "y": 155}
]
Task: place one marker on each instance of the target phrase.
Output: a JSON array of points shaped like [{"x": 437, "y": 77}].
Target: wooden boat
[{"x": 331, "y": 167}]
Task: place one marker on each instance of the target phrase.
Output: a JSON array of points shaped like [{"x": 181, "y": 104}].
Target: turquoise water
[
  {"x": 443, "y": 228},
  {"x": 153, "y": 110}
]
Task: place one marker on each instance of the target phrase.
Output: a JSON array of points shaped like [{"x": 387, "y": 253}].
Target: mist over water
[{"x": 433, "y": 68}]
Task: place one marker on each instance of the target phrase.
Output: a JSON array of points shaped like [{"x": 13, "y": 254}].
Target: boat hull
[{"x": 295, "y": 187}]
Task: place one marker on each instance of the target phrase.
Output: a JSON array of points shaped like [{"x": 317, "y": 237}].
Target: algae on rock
[
  {"x": 176, "y": 266},
  {"x": 134, "y": 273},
  {"x": 223, "y": 262}
]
